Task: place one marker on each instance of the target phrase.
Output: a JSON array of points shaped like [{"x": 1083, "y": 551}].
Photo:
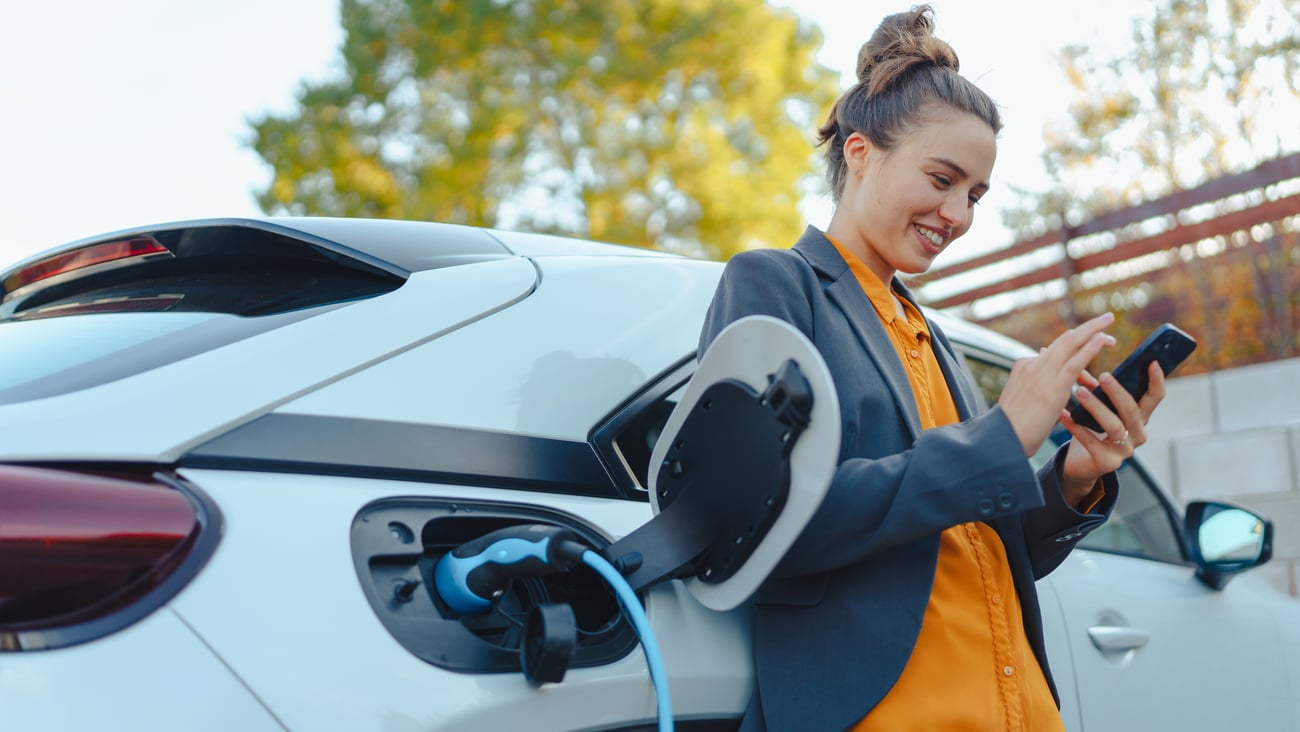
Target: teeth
[{"x": 935, "y": 238}]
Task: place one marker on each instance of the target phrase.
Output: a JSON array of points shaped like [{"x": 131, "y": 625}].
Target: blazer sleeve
[
  {"x": 971, "y": 471},
  {"x": 1052, "y": 531}
]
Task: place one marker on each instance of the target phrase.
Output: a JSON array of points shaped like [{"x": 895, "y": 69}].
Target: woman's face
[{"x": 908, "y": 204}]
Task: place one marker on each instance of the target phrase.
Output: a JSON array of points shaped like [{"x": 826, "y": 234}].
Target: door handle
[{"x": 1115, "y": 638}]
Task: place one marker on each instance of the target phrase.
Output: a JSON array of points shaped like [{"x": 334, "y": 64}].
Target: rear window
[
  {"x": 50, "y": 356},
  {"x": 99, "y": 311}
]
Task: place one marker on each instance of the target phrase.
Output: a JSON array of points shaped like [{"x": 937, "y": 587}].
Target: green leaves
[{"x": 683, "y": 124}]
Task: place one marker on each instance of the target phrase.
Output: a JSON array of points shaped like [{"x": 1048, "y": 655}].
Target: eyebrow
[{"x": 981, "y": 186}]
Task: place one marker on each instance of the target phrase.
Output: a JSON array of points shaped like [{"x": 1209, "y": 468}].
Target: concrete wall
[{"x": 1235, "y": 435}]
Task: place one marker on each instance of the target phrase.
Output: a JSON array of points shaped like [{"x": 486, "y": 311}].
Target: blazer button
[
  {"x": 984, "y": 507},
  {"x": 1006, "y": 501}
]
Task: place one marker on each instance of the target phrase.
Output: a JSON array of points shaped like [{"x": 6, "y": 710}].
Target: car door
[
  {"x": 1153, "y": 647},
  {"x": 1148, "y": 645}
]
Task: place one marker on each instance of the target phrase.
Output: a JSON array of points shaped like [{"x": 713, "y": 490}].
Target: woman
[{"x": 909, "y": 601}]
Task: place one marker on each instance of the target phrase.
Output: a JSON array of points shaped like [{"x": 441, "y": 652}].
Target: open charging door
[{"x": 740, "y": 467}]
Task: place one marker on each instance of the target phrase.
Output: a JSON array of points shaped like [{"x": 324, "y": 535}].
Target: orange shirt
[{"x": 972, "y": 667}]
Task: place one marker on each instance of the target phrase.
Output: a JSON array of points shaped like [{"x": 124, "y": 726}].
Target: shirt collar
[{"x": 881, "y": 298}]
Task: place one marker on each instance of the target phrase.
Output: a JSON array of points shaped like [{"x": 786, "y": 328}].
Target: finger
[
  {"x": 1082, "y": 339},
  {"x": 1077, "y": 362},
  {"x": 1091, "y": 327},
  {"x": 1125, "y": 407},
  {"x": 1112, "y": 425},
  {"x": 1155, "y": 390},
  {"x": 1087, "y": 380},
  {"x": 1096, "y": 324},
  {"x": 1105, "y": 453},
  {"x": 1122, "y": 402},
  {"x": 1106, "y": 456}
]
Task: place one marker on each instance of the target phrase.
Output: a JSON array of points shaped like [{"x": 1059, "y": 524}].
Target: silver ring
[{"x": 1122, "y": 439}]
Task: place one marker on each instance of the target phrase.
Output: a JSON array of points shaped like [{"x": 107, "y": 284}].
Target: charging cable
[{"x": 641, "y": 624}]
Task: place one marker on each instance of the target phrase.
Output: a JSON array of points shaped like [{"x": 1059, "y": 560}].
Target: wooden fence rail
[{"x": 1243, "y": 201}]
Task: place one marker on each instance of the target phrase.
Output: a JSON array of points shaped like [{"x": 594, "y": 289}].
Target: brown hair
[{"x": 902, "y": 70}]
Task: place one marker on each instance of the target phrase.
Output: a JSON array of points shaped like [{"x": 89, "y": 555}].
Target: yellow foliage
[{"x": 650, "y": 121}]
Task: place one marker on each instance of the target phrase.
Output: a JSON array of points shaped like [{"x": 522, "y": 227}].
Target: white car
[{"x": 234, "y": 452}]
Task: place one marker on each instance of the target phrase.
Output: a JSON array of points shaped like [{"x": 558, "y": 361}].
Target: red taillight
[
  {"x": 113, "y": 251},
  {"x": 76, "y": 547}
]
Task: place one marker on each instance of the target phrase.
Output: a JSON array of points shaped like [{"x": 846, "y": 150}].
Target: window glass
[
  {"x": 38, "y": 348},
  {"x": 50, "y": 356},
  {"x": 989, "y": 378},
  {"x": 1140, "y": 524}
]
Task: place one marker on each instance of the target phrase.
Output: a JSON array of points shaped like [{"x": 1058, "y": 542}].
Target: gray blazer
[{"x": 836, "y": 621}]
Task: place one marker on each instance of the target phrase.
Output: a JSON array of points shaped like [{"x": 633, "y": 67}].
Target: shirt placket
[
  {"x": 1006, "y": 671},
  {"x": 910, "y": 343}
]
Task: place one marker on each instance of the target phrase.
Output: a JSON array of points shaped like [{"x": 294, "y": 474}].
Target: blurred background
[{"x": 1150, "y": 162}]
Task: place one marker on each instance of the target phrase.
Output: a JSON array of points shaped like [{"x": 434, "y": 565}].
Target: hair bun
[{"x": 902, "y": 41}]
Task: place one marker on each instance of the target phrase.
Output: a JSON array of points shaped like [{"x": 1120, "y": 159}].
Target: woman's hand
[
  {"x": 1091, "y": 454},
  {"x": 1039, "y": 387}
]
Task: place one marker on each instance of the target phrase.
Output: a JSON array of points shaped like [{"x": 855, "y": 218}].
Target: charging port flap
[{"x": 742, "y": 463}]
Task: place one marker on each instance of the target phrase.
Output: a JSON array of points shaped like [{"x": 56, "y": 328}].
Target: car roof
[
  {"x": 978, "y": 336},
  {"x": 404, "y": 246}
]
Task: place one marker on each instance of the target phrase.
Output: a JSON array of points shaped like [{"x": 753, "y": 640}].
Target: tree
[
  {"x": 1208, "y": 87},
  {"x": 676, "y": 123}
]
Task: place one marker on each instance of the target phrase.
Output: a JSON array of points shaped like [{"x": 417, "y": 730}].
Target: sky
[{"x": 115, "y": 115}]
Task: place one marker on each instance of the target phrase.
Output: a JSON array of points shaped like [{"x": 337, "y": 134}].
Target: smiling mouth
[{"x": 934, "y": 237}]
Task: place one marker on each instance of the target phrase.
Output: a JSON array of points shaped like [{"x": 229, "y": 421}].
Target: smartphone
[{"x": 1167, "y": 345}]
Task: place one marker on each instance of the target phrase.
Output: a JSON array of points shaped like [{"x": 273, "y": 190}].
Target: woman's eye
[
  {"x": 941, "y": 179},
  {"x": 974, "y": 200}
]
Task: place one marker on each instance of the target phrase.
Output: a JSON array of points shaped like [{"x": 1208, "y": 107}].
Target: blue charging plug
[{"x": 474, "y": 575}]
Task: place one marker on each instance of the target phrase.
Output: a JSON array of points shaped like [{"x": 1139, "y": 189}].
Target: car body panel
[
  {"x": 267, "y": 612},
  {"x": 153, "y": 675},
  {"x": 587, "y": 330},
  {"x": 1060, "y": 654}
]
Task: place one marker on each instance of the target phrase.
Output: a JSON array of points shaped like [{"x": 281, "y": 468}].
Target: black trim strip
[
  {"x": 610, "y": 428},
  {"x": 300, "y": 443}
]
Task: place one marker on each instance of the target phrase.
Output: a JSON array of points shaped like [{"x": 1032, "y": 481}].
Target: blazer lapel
[{"x": 843, "y": 289}]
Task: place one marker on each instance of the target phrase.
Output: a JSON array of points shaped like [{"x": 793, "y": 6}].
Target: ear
[{"x": 857, "y": 149}]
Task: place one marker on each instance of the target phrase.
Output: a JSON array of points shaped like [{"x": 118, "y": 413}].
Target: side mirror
[{"x": 1225, "y": 540}]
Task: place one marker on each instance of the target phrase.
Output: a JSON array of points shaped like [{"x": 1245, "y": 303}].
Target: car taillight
[
  {"x": 122, "y": 251},
  {"x": 82, "y": 555}
]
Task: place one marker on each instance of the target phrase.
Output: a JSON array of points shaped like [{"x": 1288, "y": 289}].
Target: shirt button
[
  {"x": 1007, "y": 670},
  {"x": 997, "y": 600},
  {"x": 916, "y": 353}
]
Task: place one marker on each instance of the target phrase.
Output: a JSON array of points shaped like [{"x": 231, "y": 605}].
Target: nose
[{"x": 954, "y": 211}]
